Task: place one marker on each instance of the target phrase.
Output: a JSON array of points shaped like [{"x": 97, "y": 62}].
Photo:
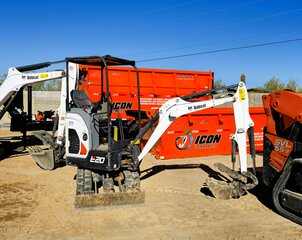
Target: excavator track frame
[
  {"x": 286, "y": 202},
  {"x": 98, "y": 191}
]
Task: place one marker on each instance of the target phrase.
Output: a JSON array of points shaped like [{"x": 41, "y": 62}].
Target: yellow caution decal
[
  {"x": 43, "y": 75},
  {"x": 242, "y": 94}
]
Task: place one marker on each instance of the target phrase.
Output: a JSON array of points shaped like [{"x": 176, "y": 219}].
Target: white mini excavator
[{"x": 108, "y": 162}]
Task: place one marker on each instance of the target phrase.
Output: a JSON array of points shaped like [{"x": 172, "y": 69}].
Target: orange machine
[
  {"x": 205, "y": 133},
  {"x": 282, "y": 155}
]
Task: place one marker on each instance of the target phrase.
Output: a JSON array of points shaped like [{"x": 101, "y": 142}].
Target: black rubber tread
[
  {"x": 80, "y": 182},
  {"x": 88, "y": 184},
  {"x": 84, "y": 183},
  {"x": 280, "y": 186}
]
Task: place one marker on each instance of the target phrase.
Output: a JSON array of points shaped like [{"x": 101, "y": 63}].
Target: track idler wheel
[{"x": 238, "y": 186}]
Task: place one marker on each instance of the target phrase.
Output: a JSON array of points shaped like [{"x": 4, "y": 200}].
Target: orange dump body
[
  {"x": 156, "y": 86},
  {"x": 203, "y": 133},
  {"x": 206, "y": 133}
]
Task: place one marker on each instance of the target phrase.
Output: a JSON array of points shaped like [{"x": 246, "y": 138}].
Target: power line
[
  {"x": 226, "y": 8},
  {"x": 166, "y": 8},
  {"x": 159, "y": 10},
  {"x": 247, "y": 37},
  {"x": 259, "y": 18},
  {"x": 226, "y": 26},
  {"x": 222, "y": 50}
]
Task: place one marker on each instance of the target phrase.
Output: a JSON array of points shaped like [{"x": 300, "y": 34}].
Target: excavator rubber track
[
  {"x": 287, "y": 202},
  {"x": 96, "y": 191}
]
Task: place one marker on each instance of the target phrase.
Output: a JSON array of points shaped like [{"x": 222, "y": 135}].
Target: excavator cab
[
  {"x": 92, "y": 145},
  {"x": 282, "y": 156}
]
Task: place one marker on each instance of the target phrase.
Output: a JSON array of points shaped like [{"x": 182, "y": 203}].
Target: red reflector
[{"x": 83, "y": 149}]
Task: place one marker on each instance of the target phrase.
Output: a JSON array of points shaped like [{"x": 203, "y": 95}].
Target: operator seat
[{"x": 80, "y": 99}]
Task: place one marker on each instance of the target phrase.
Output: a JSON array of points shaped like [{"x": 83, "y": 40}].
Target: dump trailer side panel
[
  {"x": 156, "y": 86},
  {"x": 205, "y": 133}
]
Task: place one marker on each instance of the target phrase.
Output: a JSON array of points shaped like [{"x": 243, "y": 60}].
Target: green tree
[
  {"x": 292, "y": 85},
  {"x": 53, "y": 85},
  {"x": 243, "y": 78},
  {"x": 47, "y": 86},
  {"x": 38, "y": 86},
  {"x": 272, "y": 85},
  {"x": 218, "y": 83}
]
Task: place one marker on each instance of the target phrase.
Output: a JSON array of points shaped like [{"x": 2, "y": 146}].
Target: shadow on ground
[
  {"x": 160, "y": 168},
  {"x": 261, "y": 192}
]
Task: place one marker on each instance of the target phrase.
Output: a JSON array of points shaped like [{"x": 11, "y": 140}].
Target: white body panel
[
  {"x": 73, "y": 74},
  {"x": 76, "y": 122},
  {"x": 15, "y": 80}
]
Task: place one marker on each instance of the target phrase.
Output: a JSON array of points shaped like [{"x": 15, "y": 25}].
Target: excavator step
[{"x": 109, "y": 200}]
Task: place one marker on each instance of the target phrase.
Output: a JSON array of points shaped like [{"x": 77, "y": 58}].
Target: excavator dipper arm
[{"x": 174, "y": 109}]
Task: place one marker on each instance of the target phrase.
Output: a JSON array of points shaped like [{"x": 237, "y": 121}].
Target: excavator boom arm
[
  {"x": 15, "y": 80},
  {"x": 178, "y": 107}
]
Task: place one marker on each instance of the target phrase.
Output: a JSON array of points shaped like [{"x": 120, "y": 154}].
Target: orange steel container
[
  {"x": 156, "y": 86},
  {"x": 205, "y": 133}
]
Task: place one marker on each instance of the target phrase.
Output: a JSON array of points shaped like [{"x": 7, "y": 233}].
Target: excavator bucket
[
  {"x": 44, "y": 158},
  {"x": 235, "y": 188},
  {"x": 220, "y": 189},
  {"x": 97, "y": 192},
  {"x": 45, "y": 155}
]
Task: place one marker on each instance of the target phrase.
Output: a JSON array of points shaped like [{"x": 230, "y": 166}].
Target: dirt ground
[{"x": 37, "y": 204}]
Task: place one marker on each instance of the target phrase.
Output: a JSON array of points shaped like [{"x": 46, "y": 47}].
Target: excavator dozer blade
[
  {"x": 109, "y": 200},
  {"x": 44, "y": 158}
]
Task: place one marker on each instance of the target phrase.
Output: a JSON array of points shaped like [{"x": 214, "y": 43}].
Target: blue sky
[{"x": 35, "y": 31}]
